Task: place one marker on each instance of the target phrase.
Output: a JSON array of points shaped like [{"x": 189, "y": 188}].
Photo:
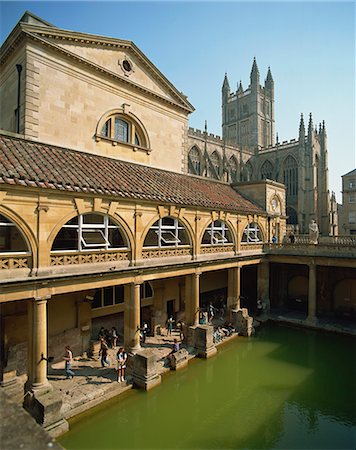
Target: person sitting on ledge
[{"x": 175, "y": 349}]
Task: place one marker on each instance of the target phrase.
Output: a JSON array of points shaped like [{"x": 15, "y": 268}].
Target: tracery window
[
  {"x": 194, "y": 161},
  {"x": 266, "y": 170},
  {"x": 252, "y": 234},
  {"x": 216, "y": 164},
  {"x": 247, "y": 172},
  {"x": 233, "y": 169},
  {"x": 122, "y": 128},
  {"x": 217, "y": 233},
  {"x": 90, "y": 232},
  {"x": 166, "y": 232},
  {"x": 290, "y": 176},
  {"x": 11, "y": 238}
]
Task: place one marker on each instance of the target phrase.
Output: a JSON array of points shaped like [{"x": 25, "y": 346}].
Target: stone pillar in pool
[
  {"x": 132, "y": 319},
  {"x": 311, "y": 319},
  {"x": 192, "y": 299},
  {"x": 263, "y": 285},
  {"x": 234, "y": 290}
]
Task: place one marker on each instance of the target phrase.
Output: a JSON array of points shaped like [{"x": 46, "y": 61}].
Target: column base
[{"x": 311, "y": 320}]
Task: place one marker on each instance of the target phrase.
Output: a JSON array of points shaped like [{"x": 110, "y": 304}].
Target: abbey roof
[{"x": 36, "y": 165}]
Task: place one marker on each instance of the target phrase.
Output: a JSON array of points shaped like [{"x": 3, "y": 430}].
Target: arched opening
[
  {"x": 247, "y": 172},
  {"x": 297, "y": 298},
  {"x": 88, "y": 232},
  {"x": 194, "y": 161},
  {"x": 290, "y": 177},
  {"x": 11, "y": 237},
  {"x": 233, "y": 169},
  {"x": 345, "y": 298},
  {"x": 166, "y": 232},
  {"x": 252, "y": 234},
  {"x": 217, "y": 233},
  {"x": 266, "y": 171},
  {"x": 215, "y": 169}
]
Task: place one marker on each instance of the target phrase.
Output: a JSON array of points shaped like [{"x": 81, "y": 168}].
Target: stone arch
[
  {"x": 195, "y": 161},
  {"x": 246, "y": 223},
  {"x": 247, "y": 172},
  {"x": 26, "y": 232},
  {"x": 182, "y": 221},
  {"x": 229, "y": 226},
  {"x": 215, "y": 162},
  {"x": 266, "y": 171},
  {"x": 132, "y": 118},
  {"x": 297, "y": 292},
  {"x": 234, "y": 167},
  {"x": 344, "y": 297},
  {"x": 116, "y": 218}
]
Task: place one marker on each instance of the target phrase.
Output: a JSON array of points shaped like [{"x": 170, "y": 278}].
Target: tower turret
[
  {"x": 310, "y": 128},
  {"x": 240, "y": 89},
  {"x": 255, "y": 75},
  {"x": 225, "y": 94},
  {"x": 301, "y": 130},
  {"x": 225, "y": 88},
  {"x": 269, "y": 83}
]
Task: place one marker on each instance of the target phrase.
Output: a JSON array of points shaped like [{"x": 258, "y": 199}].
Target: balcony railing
[
  {"x": 70, "y": 258},
  {"x": 15, "y": 261},
  {"x": 166, "y": 252}
]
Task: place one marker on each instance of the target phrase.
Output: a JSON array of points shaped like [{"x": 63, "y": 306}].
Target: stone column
[
  {"x": 192, "y": 299},
  {"x": 263, "y": 285},
  {"x": 312, "y": 294},
  {"x": 234, "y": 288},
  {"x": 37, "y": 357},
  {"x": 132, "y": 319}
]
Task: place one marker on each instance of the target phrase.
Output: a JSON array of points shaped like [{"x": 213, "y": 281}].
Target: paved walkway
[{"x": 93, "y": 384}]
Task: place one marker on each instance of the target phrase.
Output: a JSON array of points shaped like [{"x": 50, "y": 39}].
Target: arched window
[
  {"x": 194, "y": 161},
  {"x": 217, "y": 233},
  {"x": 252, "y": 234},
  {"x": 292, "y": 218},
  {"x": 215, "y": 161},
  {"x": 124, "y": 129},
  {"x": 90, "y": 232},
  {"x": 233, "y": 169},
  {"x": 11, "y": 238},
  {"x": 166, "y": 232},
  {"x": 266, "y": 170},
  {"x": 290, "y": 176},
  {"x": 247, "y": 172}
]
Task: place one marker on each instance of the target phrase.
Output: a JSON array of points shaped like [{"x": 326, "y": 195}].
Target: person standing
[
  {"x": 104, "y": 353},
  {"x": 170, "y": 322},
  {"x": 121, "y": 357},
  {"x": 68, "y": 357},
  {"x": 114, "y": 337}
]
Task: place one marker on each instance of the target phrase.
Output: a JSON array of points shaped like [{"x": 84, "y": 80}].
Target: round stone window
[{"x": 126, "y": 65}]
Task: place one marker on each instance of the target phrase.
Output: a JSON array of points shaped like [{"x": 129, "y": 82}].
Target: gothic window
[
  {"x": 247, "y": 172},
  {"x": 166, "y": 232},
  {"x": 217, "y": 233},
  {"x": 11, "y": 238},
  {"x": 122, "y": 128},
  {"x": 292, "y": 218},
  {"x": 290, "y": 176},
  {"x": 266, "y": 171},
  {"x": 252, "y": 234},
  {"x": 194, "y": 161},
  {"x": 216, "y": 164},
  {"x": 233, "y": 169},
  {"x": 90, "y": 232}
]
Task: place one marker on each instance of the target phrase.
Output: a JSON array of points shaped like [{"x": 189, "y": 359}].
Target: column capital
[{"x": 42, "y": 298}]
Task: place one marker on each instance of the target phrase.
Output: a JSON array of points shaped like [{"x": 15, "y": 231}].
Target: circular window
[{"x": 126, "y": 65}]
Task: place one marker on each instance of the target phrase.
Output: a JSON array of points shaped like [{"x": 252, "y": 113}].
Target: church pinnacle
[
  {"x": 255, "y": 74},
  {"x": 226, "y": 85}
]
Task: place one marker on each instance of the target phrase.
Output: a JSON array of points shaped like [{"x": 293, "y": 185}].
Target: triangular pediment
[{"x": 120, "y": 58}]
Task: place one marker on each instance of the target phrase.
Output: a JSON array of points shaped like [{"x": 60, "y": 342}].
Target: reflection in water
[{"x": 283, "y": 388}]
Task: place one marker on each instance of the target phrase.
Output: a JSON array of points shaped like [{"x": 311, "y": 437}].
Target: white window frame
[
  {"x": 103, "y": 228},
  {"x": 218, "y": 233},
  {"x": 173, "y": 230},
  {"x": 251, "y": 232}
]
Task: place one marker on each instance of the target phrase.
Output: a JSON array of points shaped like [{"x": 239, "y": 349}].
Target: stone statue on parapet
[{"x": 313, "y": 232}]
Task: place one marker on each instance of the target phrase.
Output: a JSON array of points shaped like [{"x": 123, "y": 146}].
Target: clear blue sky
[{"x": 310, "y": 47}]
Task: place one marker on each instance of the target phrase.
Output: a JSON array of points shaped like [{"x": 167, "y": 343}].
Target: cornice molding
[{"x": 43, "y": 36}]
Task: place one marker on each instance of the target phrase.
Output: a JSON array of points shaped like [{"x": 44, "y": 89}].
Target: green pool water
[{"x": 284, "y": 388}]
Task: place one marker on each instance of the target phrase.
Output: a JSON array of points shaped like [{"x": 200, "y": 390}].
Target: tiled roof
[{"x": 32, "y": 164}]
